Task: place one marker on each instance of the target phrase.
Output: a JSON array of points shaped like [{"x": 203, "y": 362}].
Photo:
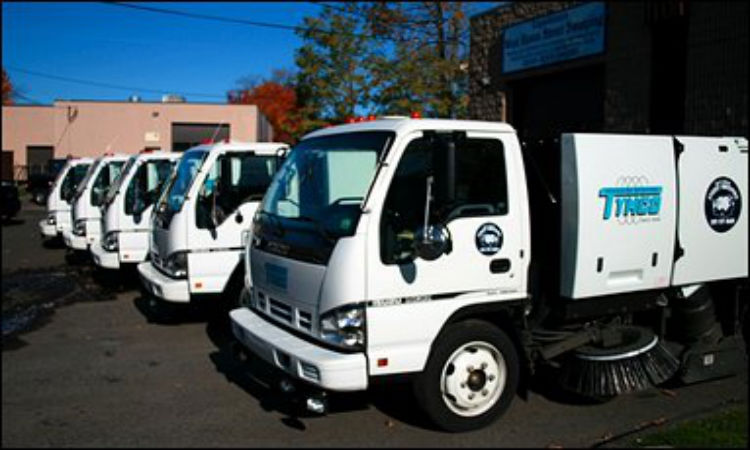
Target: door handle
[{"x": 500, "y": 265}]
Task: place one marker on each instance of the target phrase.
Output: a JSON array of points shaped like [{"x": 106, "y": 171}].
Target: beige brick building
[{"x": 34, "y": 134}]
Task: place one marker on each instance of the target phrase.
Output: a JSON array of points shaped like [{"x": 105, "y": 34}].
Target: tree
[
  {"x": 427, "y": 67},
  {"x": 8, "y": 90},
  {"x": 277, "y": 102},
  {"x": 393, "y": 57},
  {"x": 333, "y": 78}
]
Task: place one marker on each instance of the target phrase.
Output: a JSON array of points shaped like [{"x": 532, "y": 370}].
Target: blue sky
[{"x": 121, "y": 46}]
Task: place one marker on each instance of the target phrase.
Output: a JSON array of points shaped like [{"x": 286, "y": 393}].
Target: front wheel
[{"x": 470, "y": 378}]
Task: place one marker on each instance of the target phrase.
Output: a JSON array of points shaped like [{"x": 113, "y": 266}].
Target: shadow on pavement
[
  {"x": 260, "y": 380},
  {"x": 55, "y": 243},
  {"x": 12, "y": 222}
]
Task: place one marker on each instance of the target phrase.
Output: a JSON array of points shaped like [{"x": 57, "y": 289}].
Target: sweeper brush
[{"x": 631, "y": 360}]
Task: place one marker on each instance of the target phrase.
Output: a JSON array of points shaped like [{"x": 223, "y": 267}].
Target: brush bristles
[{"x": 609, "y": 378}]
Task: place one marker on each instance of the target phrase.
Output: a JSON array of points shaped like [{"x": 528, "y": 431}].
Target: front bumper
[
  {"x": 73, "y": 241},
  {"x": 47, "y": 230},
  {"x": 103, "y": 258},
  {"x": 162, "y": 286},
  {"x": 304, "y": 360}
]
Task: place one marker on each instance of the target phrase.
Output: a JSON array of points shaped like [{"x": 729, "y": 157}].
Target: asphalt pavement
[{"x": 94, "y": 369}]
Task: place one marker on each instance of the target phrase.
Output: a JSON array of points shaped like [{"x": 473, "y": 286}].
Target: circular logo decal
[
  {"x": 489, "y": 239},
  {"x": 723, "y": 204}
]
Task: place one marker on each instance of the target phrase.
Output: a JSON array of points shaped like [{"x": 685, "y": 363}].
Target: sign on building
[{"x": 561, "y": 36}]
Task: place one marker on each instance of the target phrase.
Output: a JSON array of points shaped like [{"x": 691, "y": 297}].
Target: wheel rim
[{"x": 473, "y": 378}]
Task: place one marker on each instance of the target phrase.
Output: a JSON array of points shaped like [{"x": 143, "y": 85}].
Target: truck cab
[
  {"x": 61, "y": 196},
  {"x": 362, "y": 250},
  {"x": 414, "y": 247},
  {"x": 127, "y": 207},
  {"x": 89, "y": 195},
  {"x": 200, "y": 222}
]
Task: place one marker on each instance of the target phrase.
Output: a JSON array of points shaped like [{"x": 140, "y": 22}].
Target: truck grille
[{"x": 283, "y": 312}]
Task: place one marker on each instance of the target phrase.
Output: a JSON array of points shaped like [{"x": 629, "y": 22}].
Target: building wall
[
  {"x": 24, "y": 126},
  {"x": 717, "y": 75},
  {"x": 716, "y": 64},
  {"x": 90, "y": 128}
]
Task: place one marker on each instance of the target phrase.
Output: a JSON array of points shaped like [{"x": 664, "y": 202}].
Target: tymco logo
[
  {"x": 632, "y": 201},
  {"x": 723, "y": 204},
  {"x": 489, "y": 239}
]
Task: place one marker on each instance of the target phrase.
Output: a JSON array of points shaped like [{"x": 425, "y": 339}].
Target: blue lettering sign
[
  {"x": 631, "y": 201},
  {"x": 564, "y": 35}
]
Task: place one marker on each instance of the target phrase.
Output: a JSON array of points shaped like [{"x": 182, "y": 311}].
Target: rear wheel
[{"x": 470, "y": 378}]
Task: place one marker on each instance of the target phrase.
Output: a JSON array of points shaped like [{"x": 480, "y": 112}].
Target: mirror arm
[{"x": 427, "y": 202}]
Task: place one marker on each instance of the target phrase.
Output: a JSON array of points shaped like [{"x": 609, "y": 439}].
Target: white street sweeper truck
[
  {"x": 85, "y": 214},
  {"x": 198, "y": 224},
  {"x": 127, "y": 207},
  {"x": 61, "y": 197},
  {"x": 443, "y": 250}
]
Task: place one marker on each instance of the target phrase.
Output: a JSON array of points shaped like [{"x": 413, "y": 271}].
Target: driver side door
[{"x": 483, "y": 215}]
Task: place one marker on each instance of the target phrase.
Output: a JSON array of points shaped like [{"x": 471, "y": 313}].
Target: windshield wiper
[
  {"x": 280, "y": 227},
  {"x": 318, "y": 227}
]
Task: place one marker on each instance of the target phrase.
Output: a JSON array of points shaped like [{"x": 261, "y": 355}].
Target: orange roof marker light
[
  {"x": 207, "y": 141},
  {"x": 371, "y": 117},
  {"x": 350, "y": 120},
  {"x": 416, "y": 115}
]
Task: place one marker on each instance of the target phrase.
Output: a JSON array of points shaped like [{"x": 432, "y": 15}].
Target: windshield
[
  {"x": 107, "y": 176},
  {"x": 324, "y": 181},
  {"x": 114, "y": 187},
  {"x": 72, "y": 178},
  {"x": 173, "y": 195},
  {"x": 82, "y": 185}
]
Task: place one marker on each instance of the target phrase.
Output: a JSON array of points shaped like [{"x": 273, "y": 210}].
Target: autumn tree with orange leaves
[
  {"x": 7, "y": 89},
  {"x": 277, "y": 99}
]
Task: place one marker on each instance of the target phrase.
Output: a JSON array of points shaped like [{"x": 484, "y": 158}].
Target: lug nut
[
  {"x": 484, "y": 392},
  {"x": 470, "y": 369},
  {"x": 463, "y": 385},
  {"x": 491, "y": 377},
  {"x": 471, "y": 396},
  {"x": 484, "y": 365}
]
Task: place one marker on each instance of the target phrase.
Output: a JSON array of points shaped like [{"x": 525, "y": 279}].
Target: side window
[
  {"x": 145, "y": 186},
  {"x": 234, "y": 179},
  {"x": 480, "y": 189}
]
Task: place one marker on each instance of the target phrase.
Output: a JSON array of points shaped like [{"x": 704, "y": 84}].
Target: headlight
[
  {"x": 344, "y": 327},
  {"x": 111, "y": 241},
  {"x": 51, "y": 219},
  {"x": 79, "y": 228},
  {"x": 176, "y": 264}
]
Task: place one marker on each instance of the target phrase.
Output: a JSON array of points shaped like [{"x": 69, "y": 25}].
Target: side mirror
[
  {"x": 432, "y": 242},
  {"x": 238, "y": 217},
  {"x": 137, "y": 217}
]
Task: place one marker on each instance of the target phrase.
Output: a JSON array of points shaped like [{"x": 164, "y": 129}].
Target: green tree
[
  {"x": 333, "y": 77},
  {"x": 427, "y": 66}
]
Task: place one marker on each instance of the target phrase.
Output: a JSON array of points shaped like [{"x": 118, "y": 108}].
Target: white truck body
[
  {"x": 127, "y": 208},
  {"x": 190, "y": 255},
  {"x": 85, "y": 214},
  {"x": 336, "y": 321},
  {"x": 61, "y": 192}
]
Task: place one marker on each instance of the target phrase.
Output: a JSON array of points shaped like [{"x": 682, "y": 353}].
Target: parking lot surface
[{"x": 90, "y": 368}]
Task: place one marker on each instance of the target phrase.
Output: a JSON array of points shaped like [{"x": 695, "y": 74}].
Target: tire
[{"x": 452, "y": 403}]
